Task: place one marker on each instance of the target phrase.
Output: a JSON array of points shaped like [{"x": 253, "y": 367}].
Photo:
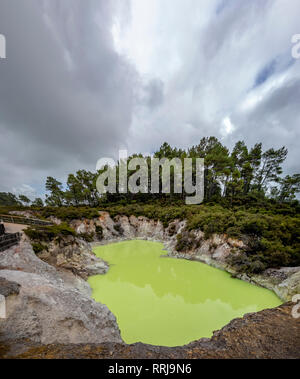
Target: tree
[
  {"x": 166, "y": 151},
  {"x": 81, "y": 189},
  {"x": 74, "y": 194},
  {"x": 235, "y": 186},
  {"x": 246, "y": 162},
  {"x": 244, "y": 174},
  {"x": 56, "y": 196},
  {"x": 38, "y": 202},
  {"x": 288, "y": 188},
  {"x": 8, "y": 199},
  {"x": 87, "y": 181},
  {"x": 270, "y": 167},
  {"x": 251, "y": 166},
  {"x": 217, "y": 164},
  {"x": 24, "y": 199}
]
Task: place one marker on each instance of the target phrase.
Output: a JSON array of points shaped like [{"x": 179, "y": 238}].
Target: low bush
[
  {"x": 99, "y": 232},
  {"x": 270, "y": 230},
  {"x": 186, "y": 241},
  {"x": 48, "y": 233},
  {"x": 88, "y": 237},
  {"x": 38, "y": 247}
]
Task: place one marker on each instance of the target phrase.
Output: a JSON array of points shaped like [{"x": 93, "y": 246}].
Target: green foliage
[
  {"x": 165, "y": 214},
  {"x": 24, "y": 199},
  {"x": 38, "y": 247},
  {"x": 48, "y": 233},
  {"x": 272, "y": 240},
  {"x": 38, "y": 203},
  {"x": 287, "y": 188},
  {"x": 56, "y": 196},
  {"x": 270, "y": 230},
  {"x": 247, "y": 264},
  {"x": 88, "y": 237},
  {"x": 237, "y": 184},
  {"x": 270, "y": 167},
  {"x": 186, "y": 241},
  {"x": 70, "y": 213},
  {"x": 229, "y": 177},
  {"x": 212, "y": 220},
  {"x": 8, "y": 199},
  {"x": 99, "y": 232}
]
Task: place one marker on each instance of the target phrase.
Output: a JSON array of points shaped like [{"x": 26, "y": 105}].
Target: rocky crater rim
[
  {"x": 49, "y": 300},
  {"x": 214, "y": 251}
]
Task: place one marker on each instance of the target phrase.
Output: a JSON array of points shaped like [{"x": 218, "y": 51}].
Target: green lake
[{"x": 170, "y": 302}]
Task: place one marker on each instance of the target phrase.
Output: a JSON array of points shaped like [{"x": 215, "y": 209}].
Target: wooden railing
[
  {"x": 9, "y": 240},
  {"x": 23, "y": 220}
]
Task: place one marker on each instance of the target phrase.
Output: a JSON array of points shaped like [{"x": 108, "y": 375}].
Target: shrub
[
  {"x": 48, "y": 233},
  {"x": 99, "y": 232},
  {"x": 186, "y": 241},
  {"x": 245, "y": 264},
  {"x": 270, "y": 230},
  {"x": 88, "y": 237},
  {"x": 38, "y": 247}
]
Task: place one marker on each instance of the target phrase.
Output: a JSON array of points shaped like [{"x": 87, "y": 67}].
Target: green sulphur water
[{"x": 167, "y": 301}]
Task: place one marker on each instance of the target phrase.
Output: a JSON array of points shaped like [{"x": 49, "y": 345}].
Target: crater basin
[{"x": 170, "y": 302}]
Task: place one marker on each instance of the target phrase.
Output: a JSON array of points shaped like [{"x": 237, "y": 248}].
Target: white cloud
[
  {"x": 227, "y": 127},
  {"x": 25, "y": 189},
  {"x": 102, "y": 75}
]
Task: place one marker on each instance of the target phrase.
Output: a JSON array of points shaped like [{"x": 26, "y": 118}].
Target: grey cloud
[
  {"x": 275, "y": 121},
  {"x": 153, "y": 93},
  {"x": 231, "y": 25},
  {"x": 220, "y": 60},
  {"x": 68, "y": 98},
  {"x": 56, "y": 113}
]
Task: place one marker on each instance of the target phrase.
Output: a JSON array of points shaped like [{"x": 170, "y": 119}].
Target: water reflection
[{"x": 167, "y": 301}]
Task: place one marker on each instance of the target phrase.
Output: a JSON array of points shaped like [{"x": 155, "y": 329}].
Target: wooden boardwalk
[
  {"x": 9, "y": 240},
  {"x": 14, "y": 226},
  {"x": 23, "y": 220}
]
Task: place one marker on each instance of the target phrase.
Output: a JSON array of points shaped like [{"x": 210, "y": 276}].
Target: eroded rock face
[
  {"x": 129, "y": 228},
  {"x": 51, "y": 306},
  {"x": 47, "y": 312},
  {"x": 214, "y": 251},
  {"x": 22, "y": 258},
  {"x": 74, "y": 254},
  {"x": 84, "y": 226}
]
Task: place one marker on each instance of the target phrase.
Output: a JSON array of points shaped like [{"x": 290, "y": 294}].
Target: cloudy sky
[{"x": 85, "y": 78}]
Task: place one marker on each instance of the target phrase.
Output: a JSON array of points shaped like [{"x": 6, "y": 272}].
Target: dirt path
[{"x": 14, "y": 228}]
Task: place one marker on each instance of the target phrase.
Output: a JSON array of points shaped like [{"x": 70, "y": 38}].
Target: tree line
[
  {"x": 228, "y": 175},
  {"x": 8, "y": 199}
]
